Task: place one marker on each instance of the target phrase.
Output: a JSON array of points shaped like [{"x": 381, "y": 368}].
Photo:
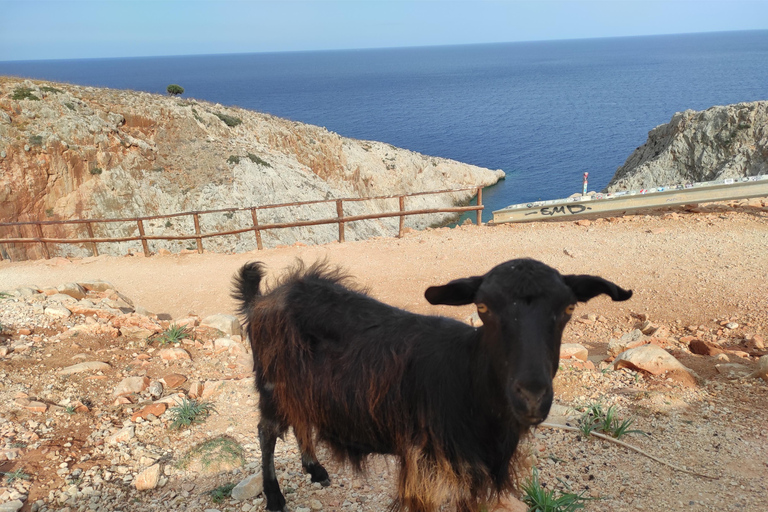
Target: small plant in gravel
[
  {"x": 174, "y": 334},
  {"x": 19, "y": 474},
  {"x": 221, "y": 493},
  {"x": 189, "y": 412},
  {"x": 606, "y": 421},
  {"x": 540, "y": 499},
  {"x": 70, "y": 409}
]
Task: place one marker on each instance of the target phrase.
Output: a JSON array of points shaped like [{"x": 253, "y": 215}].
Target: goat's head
[{"x": 524, "y": 306}]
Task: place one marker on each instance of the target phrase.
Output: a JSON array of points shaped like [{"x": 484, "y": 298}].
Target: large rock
[
  {"x": 250, "y": 487},
  {"x": 573, "y": 350},
  {"x": 131, "y": 385},
  {"x": 718, "y": 143},
  {"x": 649, "y": 358},
  {"x": 74, "y": 290},
  {"x": 631, "y": 339},
  {"x": 227, "y": 324},
  {"x": 148, "y": 478},
  {"x": 88, "y": 366}
]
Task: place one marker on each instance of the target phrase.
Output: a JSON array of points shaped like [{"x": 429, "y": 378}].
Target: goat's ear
[
  {"x": 455, "y": 293},
  {"x": 586, "y": 287}
]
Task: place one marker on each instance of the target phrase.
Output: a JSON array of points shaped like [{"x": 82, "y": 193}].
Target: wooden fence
[{"x": 256, "y": 227}]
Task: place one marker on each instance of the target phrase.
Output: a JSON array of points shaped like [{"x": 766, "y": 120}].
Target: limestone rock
[
  {"x": 58, "y": 311},
  {"x": 174, "y": 354},
  {"x": 11, "y": 506},
  {"x": 155, "y": 409},
  {"x": 762, "y": 369},
  {"x": 632, "y": 339},
  {"x": 97, "y": 285},
  {"x": 573, "y": 350},
  {"x": 703, "y": 348},
  {"x": 148, "y": 478},
  {"x": 173, "y": 380},
  {"x": 123, "y": 435},
  {"x": 131, "y": 385},
  {"x": 718, "y": 143},
  {"x": 250, "y": 487},
  {"x": 88, "y": 366},
  {"x": 650, "y": 358},
  {"x": 74, "y": 290},
  {"x": 227, "y": 324}
]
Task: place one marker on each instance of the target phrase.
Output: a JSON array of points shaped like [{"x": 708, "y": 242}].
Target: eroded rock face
[
  {"x": 718, "y": 143},
  {"x": 84, "y": 152}
]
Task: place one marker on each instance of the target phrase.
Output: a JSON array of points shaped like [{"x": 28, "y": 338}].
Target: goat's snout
[{"x": 532, "y": 401}]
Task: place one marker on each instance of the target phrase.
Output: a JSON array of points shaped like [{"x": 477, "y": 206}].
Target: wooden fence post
[
  {"x": 94, "y": 250},
  {"x": 143, "y": 240},
  {"x": 256, "y": 229},
  {"x": 340, "y": 213},
  {"x": 45, "y": 246},
  {"x": 197, "y": 232},
  {"x": 480, "y": 203},
  {"x": 402, "y": 217}
]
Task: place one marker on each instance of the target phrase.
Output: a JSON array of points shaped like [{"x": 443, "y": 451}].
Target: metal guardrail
[
  {"x": 617, "y": 203},
  {"x": 256, "y": 227}
]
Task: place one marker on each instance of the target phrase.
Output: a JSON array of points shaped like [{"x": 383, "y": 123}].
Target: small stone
[
  {"x": 57, "y": 311},
  {"x": 155, "y": 410},
  {"x": 74, "y": 290},
  {"x": 131, "y": 385},
  {"x": 248, "y": 488},
  {"x": 11, "y": 506},
  {"x": 87, "y": 366},
  {"x": 174, "y": 354},
  {"x": 732, "y": 325},
  {"x": 584, "y": 223},
  {"x": 148, "y": 478},
  {"x": 630, "y": 340},
  {"x": 703, "y": 348},
  {"x": 315, "y": 505},
  {"x": 196, "y": 389},
  {"x": 227, "y": 324},
  {"x": 173, "y": 380},
  {"x": 155, "y": 388},
  {"x": 123, "y": 435},
  {"x": 573, "y": 350}
]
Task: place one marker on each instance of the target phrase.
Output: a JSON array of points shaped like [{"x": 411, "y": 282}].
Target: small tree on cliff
[{"x": 175, "y": 90}]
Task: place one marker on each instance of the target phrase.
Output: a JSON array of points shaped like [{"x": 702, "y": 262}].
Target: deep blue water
[{"x": 544, "y": 112}]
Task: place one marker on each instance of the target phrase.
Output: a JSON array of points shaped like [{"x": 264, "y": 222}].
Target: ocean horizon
[{"x": 545, "y": 112}]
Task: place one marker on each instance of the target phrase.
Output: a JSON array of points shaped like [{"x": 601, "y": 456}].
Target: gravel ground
[{"x": 697, "y": 274}]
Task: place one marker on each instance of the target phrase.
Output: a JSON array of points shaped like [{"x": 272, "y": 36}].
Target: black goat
[{"x": 449, "y": 400}]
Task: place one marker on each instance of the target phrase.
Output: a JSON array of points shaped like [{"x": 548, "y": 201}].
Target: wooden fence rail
[{"x": 256, "y": 227}]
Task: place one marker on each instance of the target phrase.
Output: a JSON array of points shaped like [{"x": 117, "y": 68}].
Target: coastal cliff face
[
  {"x": 718, "y": 143},
  {"x": 71, "y": 152}
]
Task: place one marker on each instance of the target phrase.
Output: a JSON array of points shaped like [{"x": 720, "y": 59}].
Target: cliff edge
[
  {"x": 72, "y": 152},
  {"x": 721, "y": 142}
]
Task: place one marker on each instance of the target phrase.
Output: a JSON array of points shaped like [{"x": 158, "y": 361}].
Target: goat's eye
[
  {"x": 570, "y": 309},
  {"x": 482, "y": 308}
]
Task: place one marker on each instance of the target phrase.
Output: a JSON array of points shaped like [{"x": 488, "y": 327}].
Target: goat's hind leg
[
  {"x": 269, "y": 431},
  {"x": 311, "y": 465}
]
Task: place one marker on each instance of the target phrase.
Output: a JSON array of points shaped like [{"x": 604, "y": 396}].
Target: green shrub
[
  {"x": 47, "y": 88},
  {"x": 233, "y": 159},
  {"x": 24, "y": 93},
  {"x": 255, "y": 159},
  {"x": 36, "y": 140},
  {"x": 230, "y": 121},
  {"x": 175, "y": 90},
  {"x": 96, "y": 170},
  {"x": 222, "y": 492},
  {"x": 70, "y": 105}
]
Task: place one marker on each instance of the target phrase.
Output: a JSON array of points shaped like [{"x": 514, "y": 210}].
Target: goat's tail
[{"x": 246, "y": 286}]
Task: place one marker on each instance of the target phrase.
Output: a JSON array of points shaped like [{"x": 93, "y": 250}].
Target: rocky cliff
[
  {"x": 718, "y": 143},
  {"x": 71, "y": 152}
]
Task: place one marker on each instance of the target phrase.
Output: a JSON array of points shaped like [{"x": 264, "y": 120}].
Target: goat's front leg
[{"x": 269, "y": 431}]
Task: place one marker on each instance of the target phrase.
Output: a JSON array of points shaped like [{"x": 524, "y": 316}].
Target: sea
[{"x": 544, "y": 112}]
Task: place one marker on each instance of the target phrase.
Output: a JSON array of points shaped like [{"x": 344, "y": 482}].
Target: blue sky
[{"x": 61, "y": 29}]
